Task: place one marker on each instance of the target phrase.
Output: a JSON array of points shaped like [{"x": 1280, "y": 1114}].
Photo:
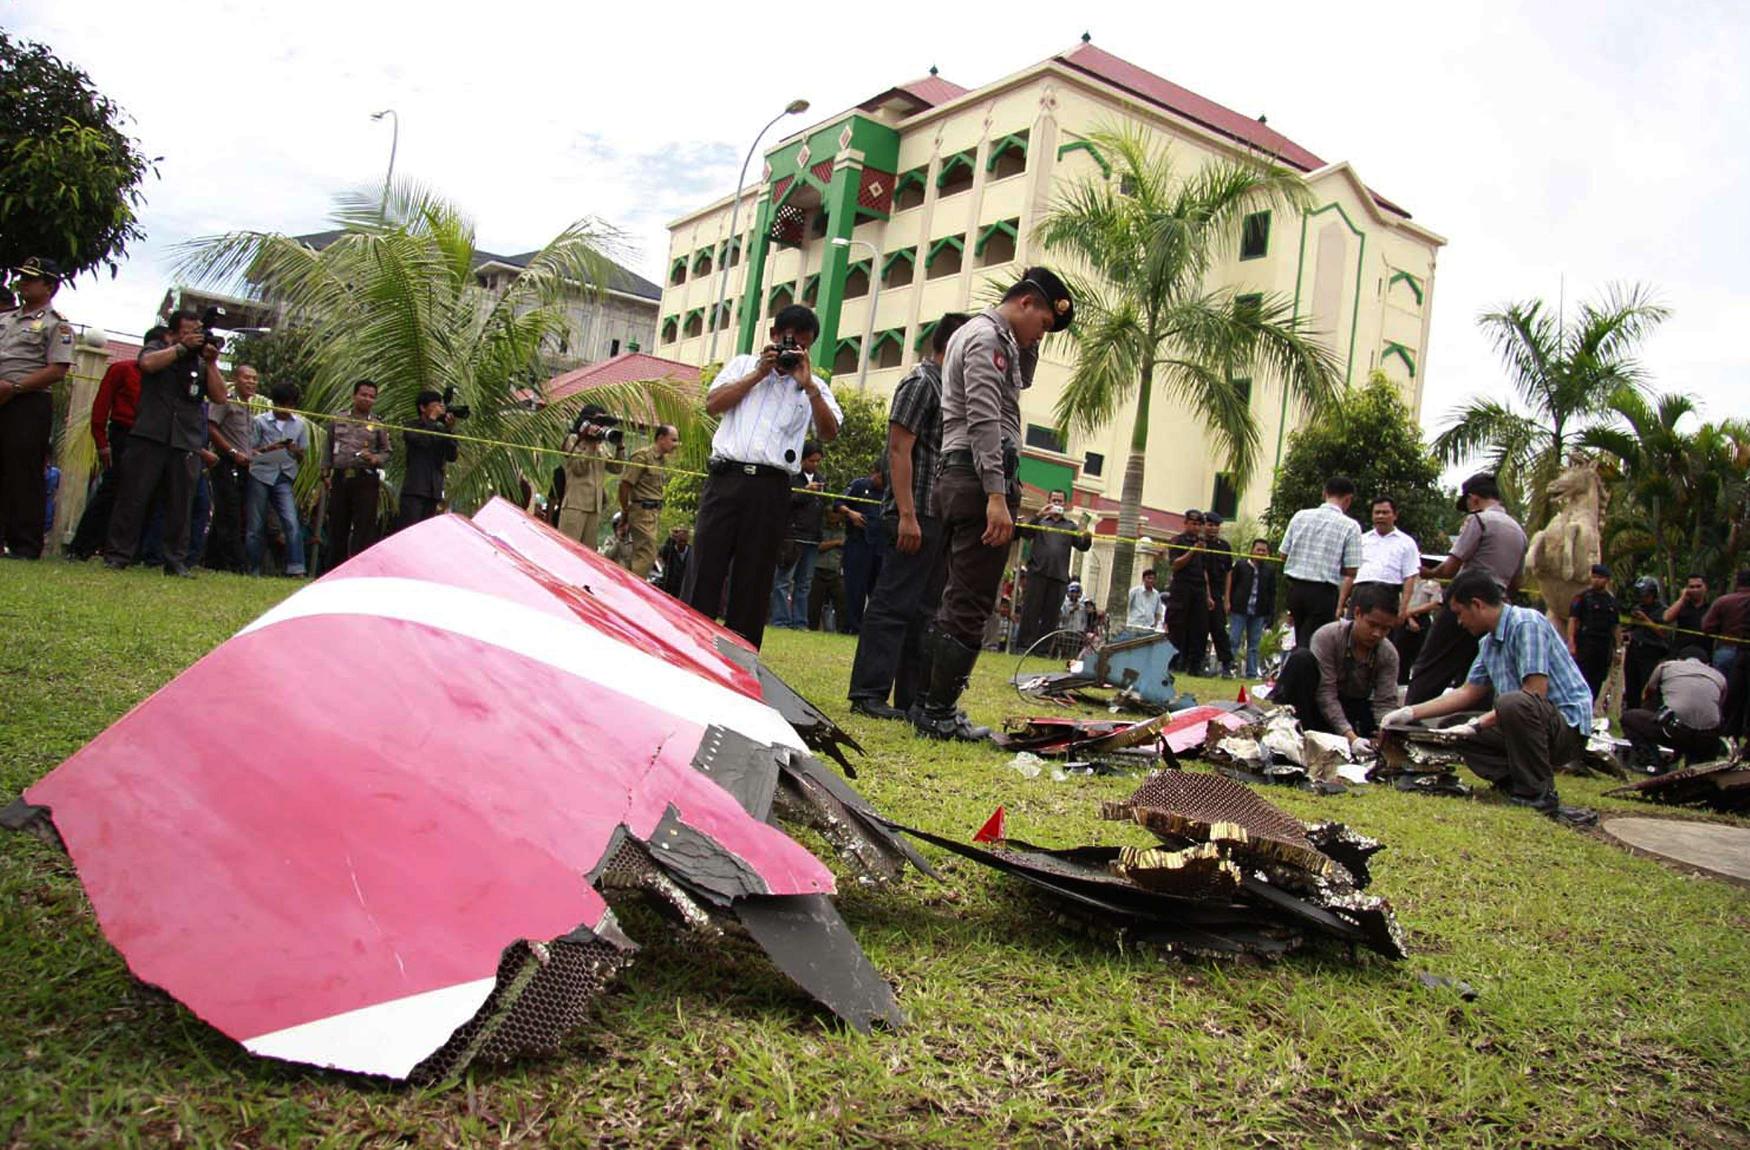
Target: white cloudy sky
[{"x": 1549, "y": 142}]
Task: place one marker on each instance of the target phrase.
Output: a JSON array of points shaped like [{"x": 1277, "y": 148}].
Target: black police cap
[
  {"x": 39, "y": 267},
  {"x": 1046, "y": 283}
]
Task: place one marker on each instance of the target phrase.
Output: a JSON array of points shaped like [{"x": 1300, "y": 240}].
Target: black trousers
[
  {"x": 93, "y": 526},
  {"x": 1188, "y": 626},
  {"x": 889, "y": 647},
  {"x": 1638, "y": 661},
  {"x": 828, "y": 588},
  {"x": 1520, "y": 752},
  {"x": 414, "y": 509},
  {"x": 1298, "y": 686},
  {"x": 148, "y": 463},
  {"x": 740, "y": 526},
  {"x": 1041, "y": 607},
  {"x": 228, "y": 483},
  {"x": 1409, "y": 645},
  {"x": 975, "y": 571},
  {"x": 1313, "y": 604},
  {"x": 1592, "y": 653},
  {"x": 1647, "y": 733},
  {"x": 1224, "y": 650},
  {"x": 1447, "y": 654},
  {"x": 26, "y": 422},
  {"x": 352, "y": 515},
  {"x": 862, "y": 570}
]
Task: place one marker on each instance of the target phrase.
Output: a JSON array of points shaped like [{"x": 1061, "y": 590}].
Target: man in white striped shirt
[{"x": 764, "y": 404}]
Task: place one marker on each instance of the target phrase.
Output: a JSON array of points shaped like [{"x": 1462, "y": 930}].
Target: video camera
[
  {"x": 213, "y": 317},
  {"x": 594, "y": 423},
  {"x": 460, "y": 411}
]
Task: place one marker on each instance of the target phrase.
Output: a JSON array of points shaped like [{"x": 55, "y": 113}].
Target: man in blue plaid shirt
[
  {"x": 890, "y": 641},
  {"x": 1542, "y": 706},
  {"x": 1321, "y": 549}
]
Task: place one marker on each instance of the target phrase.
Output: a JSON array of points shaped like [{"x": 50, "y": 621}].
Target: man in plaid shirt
[
  {"x": 1322, "y": 550},
  {"x": 1542, "y": 707},
  {"x": 890, "y": 641}
]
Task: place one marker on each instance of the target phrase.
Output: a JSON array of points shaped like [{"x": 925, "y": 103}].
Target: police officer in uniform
[
  {"x": 36, "y": 349},
  {"x": 1190, "y": 595},
  {"x": 1592, "y": 630},
  {"x": 588, "y": 460},
  {"x": 988, "y": 363},
  {"x": 641, "y": 497}
]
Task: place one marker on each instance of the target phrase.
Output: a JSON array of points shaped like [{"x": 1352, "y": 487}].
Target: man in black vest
[{"x": 1592, "y": 629}]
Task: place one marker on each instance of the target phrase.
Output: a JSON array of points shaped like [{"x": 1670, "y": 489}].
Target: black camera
[
  {"x": 460, "y": 411},
  {"x": 594, "y": 423},
  {"x": 789, "y": 354},
  {"x": 213, "y": 317}
]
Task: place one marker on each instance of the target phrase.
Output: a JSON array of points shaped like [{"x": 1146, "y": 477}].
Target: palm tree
[
  {"x": 1564, "y": 376},
  {"x": 1140, "y": 245},
  {"x": 393, "y": 299},
  {"x": 1678, "y": 497}
]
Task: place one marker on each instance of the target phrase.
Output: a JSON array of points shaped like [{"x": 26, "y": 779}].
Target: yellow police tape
[{"x": 323, "y": 416}]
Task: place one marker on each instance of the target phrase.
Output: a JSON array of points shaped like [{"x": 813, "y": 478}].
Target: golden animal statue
[{"x": 1562, "y": 554}]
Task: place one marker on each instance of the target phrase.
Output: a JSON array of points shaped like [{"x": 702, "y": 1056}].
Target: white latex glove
[
  {"x": 1466, "y": 729},
  {"x": 1402, "y": 717},
  {"x": 1361, "y": 749}
]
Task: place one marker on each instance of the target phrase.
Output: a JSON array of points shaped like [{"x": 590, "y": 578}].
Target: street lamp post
[
  {"x": 394, "y": 141},
  {"x": 874, "y": 302},
  {"x": 790, "y": 109}
]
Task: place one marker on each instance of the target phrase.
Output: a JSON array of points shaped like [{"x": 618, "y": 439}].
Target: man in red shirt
[{"x": 112, "y": 418}]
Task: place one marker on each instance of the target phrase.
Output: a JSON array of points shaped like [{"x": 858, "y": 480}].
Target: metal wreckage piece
[
  {"x": 488, "y": 737},
  {"x": 1231, "y": 874},
  {"x": 1118, "y": 743},
  {"x": 1722, "y": 786}
]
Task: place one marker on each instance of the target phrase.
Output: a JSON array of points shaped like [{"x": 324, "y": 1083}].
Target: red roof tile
[
  {"x": 934, "y": 90},
  {"x": 631, "y": 367},
  {"x": 1146, "y": 85}
]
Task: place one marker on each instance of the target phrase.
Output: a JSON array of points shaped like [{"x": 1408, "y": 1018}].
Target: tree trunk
[{"x": 1130, "y": 502}]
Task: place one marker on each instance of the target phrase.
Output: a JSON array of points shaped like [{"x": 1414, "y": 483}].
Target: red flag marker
[
  {"x": 1242, "y": 699},
  {"x": 994, "y": 829}
]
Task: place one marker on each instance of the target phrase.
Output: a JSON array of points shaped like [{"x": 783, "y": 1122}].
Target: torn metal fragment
[
  {"x": 1721, "y": 786},
  {"x": 807, "y": 940},
  {"x": 396, "y": 890},
  {"x": 1186, "y": 806},
  {"x": 1199, "y": 871}
]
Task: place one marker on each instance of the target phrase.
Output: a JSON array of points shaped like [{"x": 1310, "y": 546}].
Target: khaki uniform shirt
[
  {"x": 232, "y": 419},
  {"x": 644, "y": 478},
  {"x": 347, "y": 440},
  {"x": 983, "y": 376},
  {"x": 586, "y": 475},
  {"x": 32, "y": 340}
]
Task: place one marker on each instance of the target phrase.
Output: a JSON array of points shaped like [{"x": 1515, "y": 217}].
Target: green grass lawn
[{"x": 1612, "y": 1009}]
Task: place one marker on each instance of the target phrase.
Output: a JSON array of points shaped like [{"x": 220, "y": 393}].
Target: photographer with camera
[
  {"x": 764, "y": 403},
  {"x": 595, "y": 447},
  {"x": 178, "y": 373},
  {"x": 428, "y": 449},
  {"x": 641, "y": 496},
  {"x": 357, "y": 452}
]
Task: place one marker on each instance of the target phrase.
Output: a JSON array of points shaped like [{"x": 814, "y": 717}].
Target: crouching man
[
  {"x": 1680, "y": 709},
  {"x": 1542, "y": 706},
  {"x": 1346, "y": 680}
]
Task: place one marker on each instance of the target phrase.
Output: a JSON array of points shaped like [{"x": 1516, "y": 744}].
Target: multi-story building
[
  {"x": 924, "y": 198},
  {"x": 602, "y": 323}
]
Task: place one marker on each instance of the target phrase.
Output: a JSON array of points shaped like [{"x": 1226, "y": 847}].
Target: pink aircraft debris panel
[{"x": 441, "y": 760}]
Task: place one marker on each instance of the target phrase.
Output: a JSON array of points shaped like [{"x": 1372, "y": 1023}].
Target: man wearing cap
[
  {"x": 764, "y": 404},
  {"x": 1218, "y": 563},
  {"x": 1052, "y": 534},
  {"x": 1321, "y": 553},
  {"x": 179, "y": 374},
  {"x": 36, "y": 349},
  {"x": 1649, "y": 643},
  {"x": 588, "y": 461},
  {"x": 1592, "y": 630},
  {"x": 988, "y": 363},
  {"x": 357, "y": 450},
  {"x": 1489, "y": 541},
  {"x": 641, "y": 489},
  {"x": 429, "y": 447},
  {"x": 1188, "y": 595}
]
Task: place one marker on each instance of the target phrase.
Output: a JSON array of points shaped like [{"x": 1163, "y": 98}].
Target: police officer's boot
[{"x": 950, "y": 668}]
